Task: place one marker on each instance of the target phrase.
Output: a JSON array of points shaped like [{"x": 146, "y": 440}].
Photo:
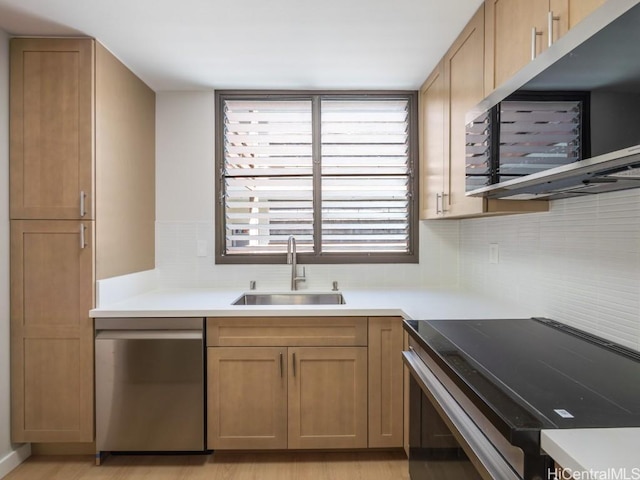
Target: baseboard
[
  {"x": 63, "y": 448},
  {"x": 15, "y": 458}
]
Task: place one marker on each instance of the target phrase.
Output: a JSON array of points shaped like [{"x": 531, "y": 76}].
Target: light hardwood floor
[{"x": 220, "y": 466}]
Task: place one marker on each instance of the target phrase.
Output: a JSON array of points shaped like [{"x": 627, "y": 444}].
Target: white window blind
[
  {"x": 268, "y": 177},
  {"x": 365, "y": 175},
  {"x": 336, "y": 173}
]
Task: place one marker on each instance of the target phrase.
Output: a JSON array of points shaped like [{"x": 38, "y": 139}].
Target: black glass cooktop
[{"x": 537, "y": 373}]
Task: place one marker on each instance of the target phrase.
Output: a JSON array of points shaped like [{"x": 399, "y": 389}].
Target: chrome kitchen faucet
[{"x": 293, "y": 261}]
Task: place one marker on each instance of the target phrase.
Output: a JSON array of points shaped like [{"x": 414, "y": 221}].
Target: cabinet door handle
[
  {"x": 83, "y": 210},
  {"x": 438, "y": 198},
  {"x": 294, "y": 364},
  {"x": 550, "y": 19},
  {"x": 534, "y": 34},
  {"x": 83, "y": 243},
  {"x": 281, "y": 366},
  {"x": 444, "y": 210}
]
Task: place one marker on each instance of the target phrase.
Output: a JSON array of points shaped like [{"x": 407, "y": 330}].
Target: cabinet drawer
[{"x": 286, "y": 331}]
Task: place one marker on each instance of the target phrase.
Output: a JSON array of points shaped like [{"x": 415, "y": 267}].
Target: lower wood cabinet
[
  {"x": 51, "y": 333},
  {"x": 386, "y": 403},
  {"x": 247, "y": 398},
  {"x": 345, "y": 392},
  {"x": 328, "y": 397},
  {"x": 296, "y": 397}
]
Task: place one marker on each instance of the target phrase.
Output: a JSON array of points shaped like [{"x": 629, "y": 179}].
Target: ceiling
[{"x": 264, "y": 44}]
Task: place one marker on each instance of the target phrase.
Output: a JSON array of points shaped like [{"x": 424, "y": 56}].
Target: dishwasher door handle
[{"x": 149, "y": 335}]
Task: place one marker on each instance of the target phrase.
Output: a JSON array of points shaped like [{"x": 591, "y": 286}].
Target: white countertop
[
  {"x": 595, "y": 453},
  {"x": 415, "y": 304},
  {"x": 580, "y": 450}
]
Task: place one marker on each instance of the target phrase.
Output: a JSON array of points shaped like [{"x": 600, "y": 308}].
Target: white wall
[
  {"x": 10, "y": 456},
  {"x": 184, "y": 214},
  {"x": 578, "y": 263}
]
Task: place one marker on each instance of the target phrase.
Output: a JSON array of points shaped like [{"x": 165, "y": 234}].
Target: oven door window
[{"x": 434, "y": 453}]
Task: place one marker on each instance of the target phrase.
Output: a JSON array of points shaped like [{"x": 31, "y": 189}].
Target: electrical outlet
[{"x": 494, "y": 253}]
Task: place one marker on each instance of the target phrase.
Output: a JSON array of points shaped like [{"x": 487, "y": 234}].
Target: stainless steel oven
[
  {"x": 481, "y": 392},
  {"x": 444, "y": 440}
]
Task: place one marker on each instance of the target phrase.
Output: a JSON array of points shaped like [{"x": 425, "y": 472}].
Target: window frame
[{"x": 317, "y": 257}]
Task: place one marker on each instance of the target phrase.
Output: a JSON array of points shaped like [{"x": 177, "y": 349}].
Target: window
[
  {"x": 335, "y": 170},
  {"x": 527, "y": 133}
]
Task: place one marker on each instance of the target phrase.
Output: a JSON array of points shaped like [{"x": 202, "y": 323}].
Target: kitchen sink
[{"x": 290, "y": 299}]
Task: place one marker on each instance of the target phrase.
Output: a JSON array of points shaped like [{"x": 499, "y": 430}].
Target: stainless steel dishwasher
[{"x": 149, "y": 385}]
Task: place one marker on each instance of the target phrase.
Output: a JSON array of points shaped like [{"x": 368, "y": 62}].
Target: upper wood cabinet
[
  {"x": 519, "y": 30},
  {"x": 464, "y": 83},
  {"x": 452, "y": 89},
  {"x": 83, "y": 146},
  {"x": 52, "y": 117},
  {"x": 456, "y": 84},
  {"x": 579, "y": 9},
  {"x": 125, "y": 172},
  {"x": 434, "y": 135}
]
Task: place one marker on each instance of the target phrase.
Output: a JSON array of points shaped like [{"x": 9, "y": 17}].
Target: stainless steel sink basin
[{"x": 290, "y": 299}]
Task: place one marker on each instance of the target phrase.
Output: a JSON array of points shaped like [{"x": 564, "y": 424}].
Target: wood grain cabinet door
[
  {"x": 464, "y": 80},
  {"x": 578, "y": 9},
  {"x": 52, "y": 119},
  {"x": 386, "y": 422},
  {"x": 247, "y": 398},
  {"x": 52, "y": 335},
  {"x": 509, "y": 25},
  {"x": 327, "y": 397},
  {"x": 433, "y": 145}
]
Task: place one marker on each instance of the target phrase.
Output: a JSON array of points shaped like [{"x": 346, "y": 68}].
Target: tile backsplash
[
  {"x": 579, "y": 263},
  {"x": 179, "y": 265}
]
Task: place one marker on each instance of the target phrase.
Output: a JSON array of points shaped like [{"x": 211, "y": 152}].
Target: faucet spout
[{"x": 293, "y": 261}]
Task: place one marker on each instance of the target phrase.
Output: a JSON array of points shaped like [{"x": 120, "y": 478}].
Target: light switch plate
[{"x": 202, "y": 248}]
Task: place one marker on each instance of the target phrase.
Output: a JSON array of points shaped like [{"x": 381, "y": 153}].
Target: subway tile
[{"x": 578, "y": 263}]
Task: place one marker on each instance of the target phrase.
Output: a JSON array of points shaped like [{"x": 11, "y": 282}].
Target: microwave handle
[
  {"x": 550, "y": 19},
  {"x": 534, "y": 35}
]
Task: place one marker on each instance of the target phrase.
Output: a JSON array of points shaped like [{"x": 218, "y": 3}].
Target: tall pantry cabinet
[{"x": 82, "y": 207}]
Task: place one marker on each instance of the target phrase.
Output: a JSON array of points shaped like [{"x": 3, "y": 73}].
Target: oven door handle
[{"x": 476, "y": 445}]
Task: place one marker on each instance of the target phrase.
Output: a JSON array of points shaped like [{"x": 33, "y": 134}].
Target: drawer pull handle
[
  {"x": 83, "y": 210},
  {"x": 83, "y": 243}
]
